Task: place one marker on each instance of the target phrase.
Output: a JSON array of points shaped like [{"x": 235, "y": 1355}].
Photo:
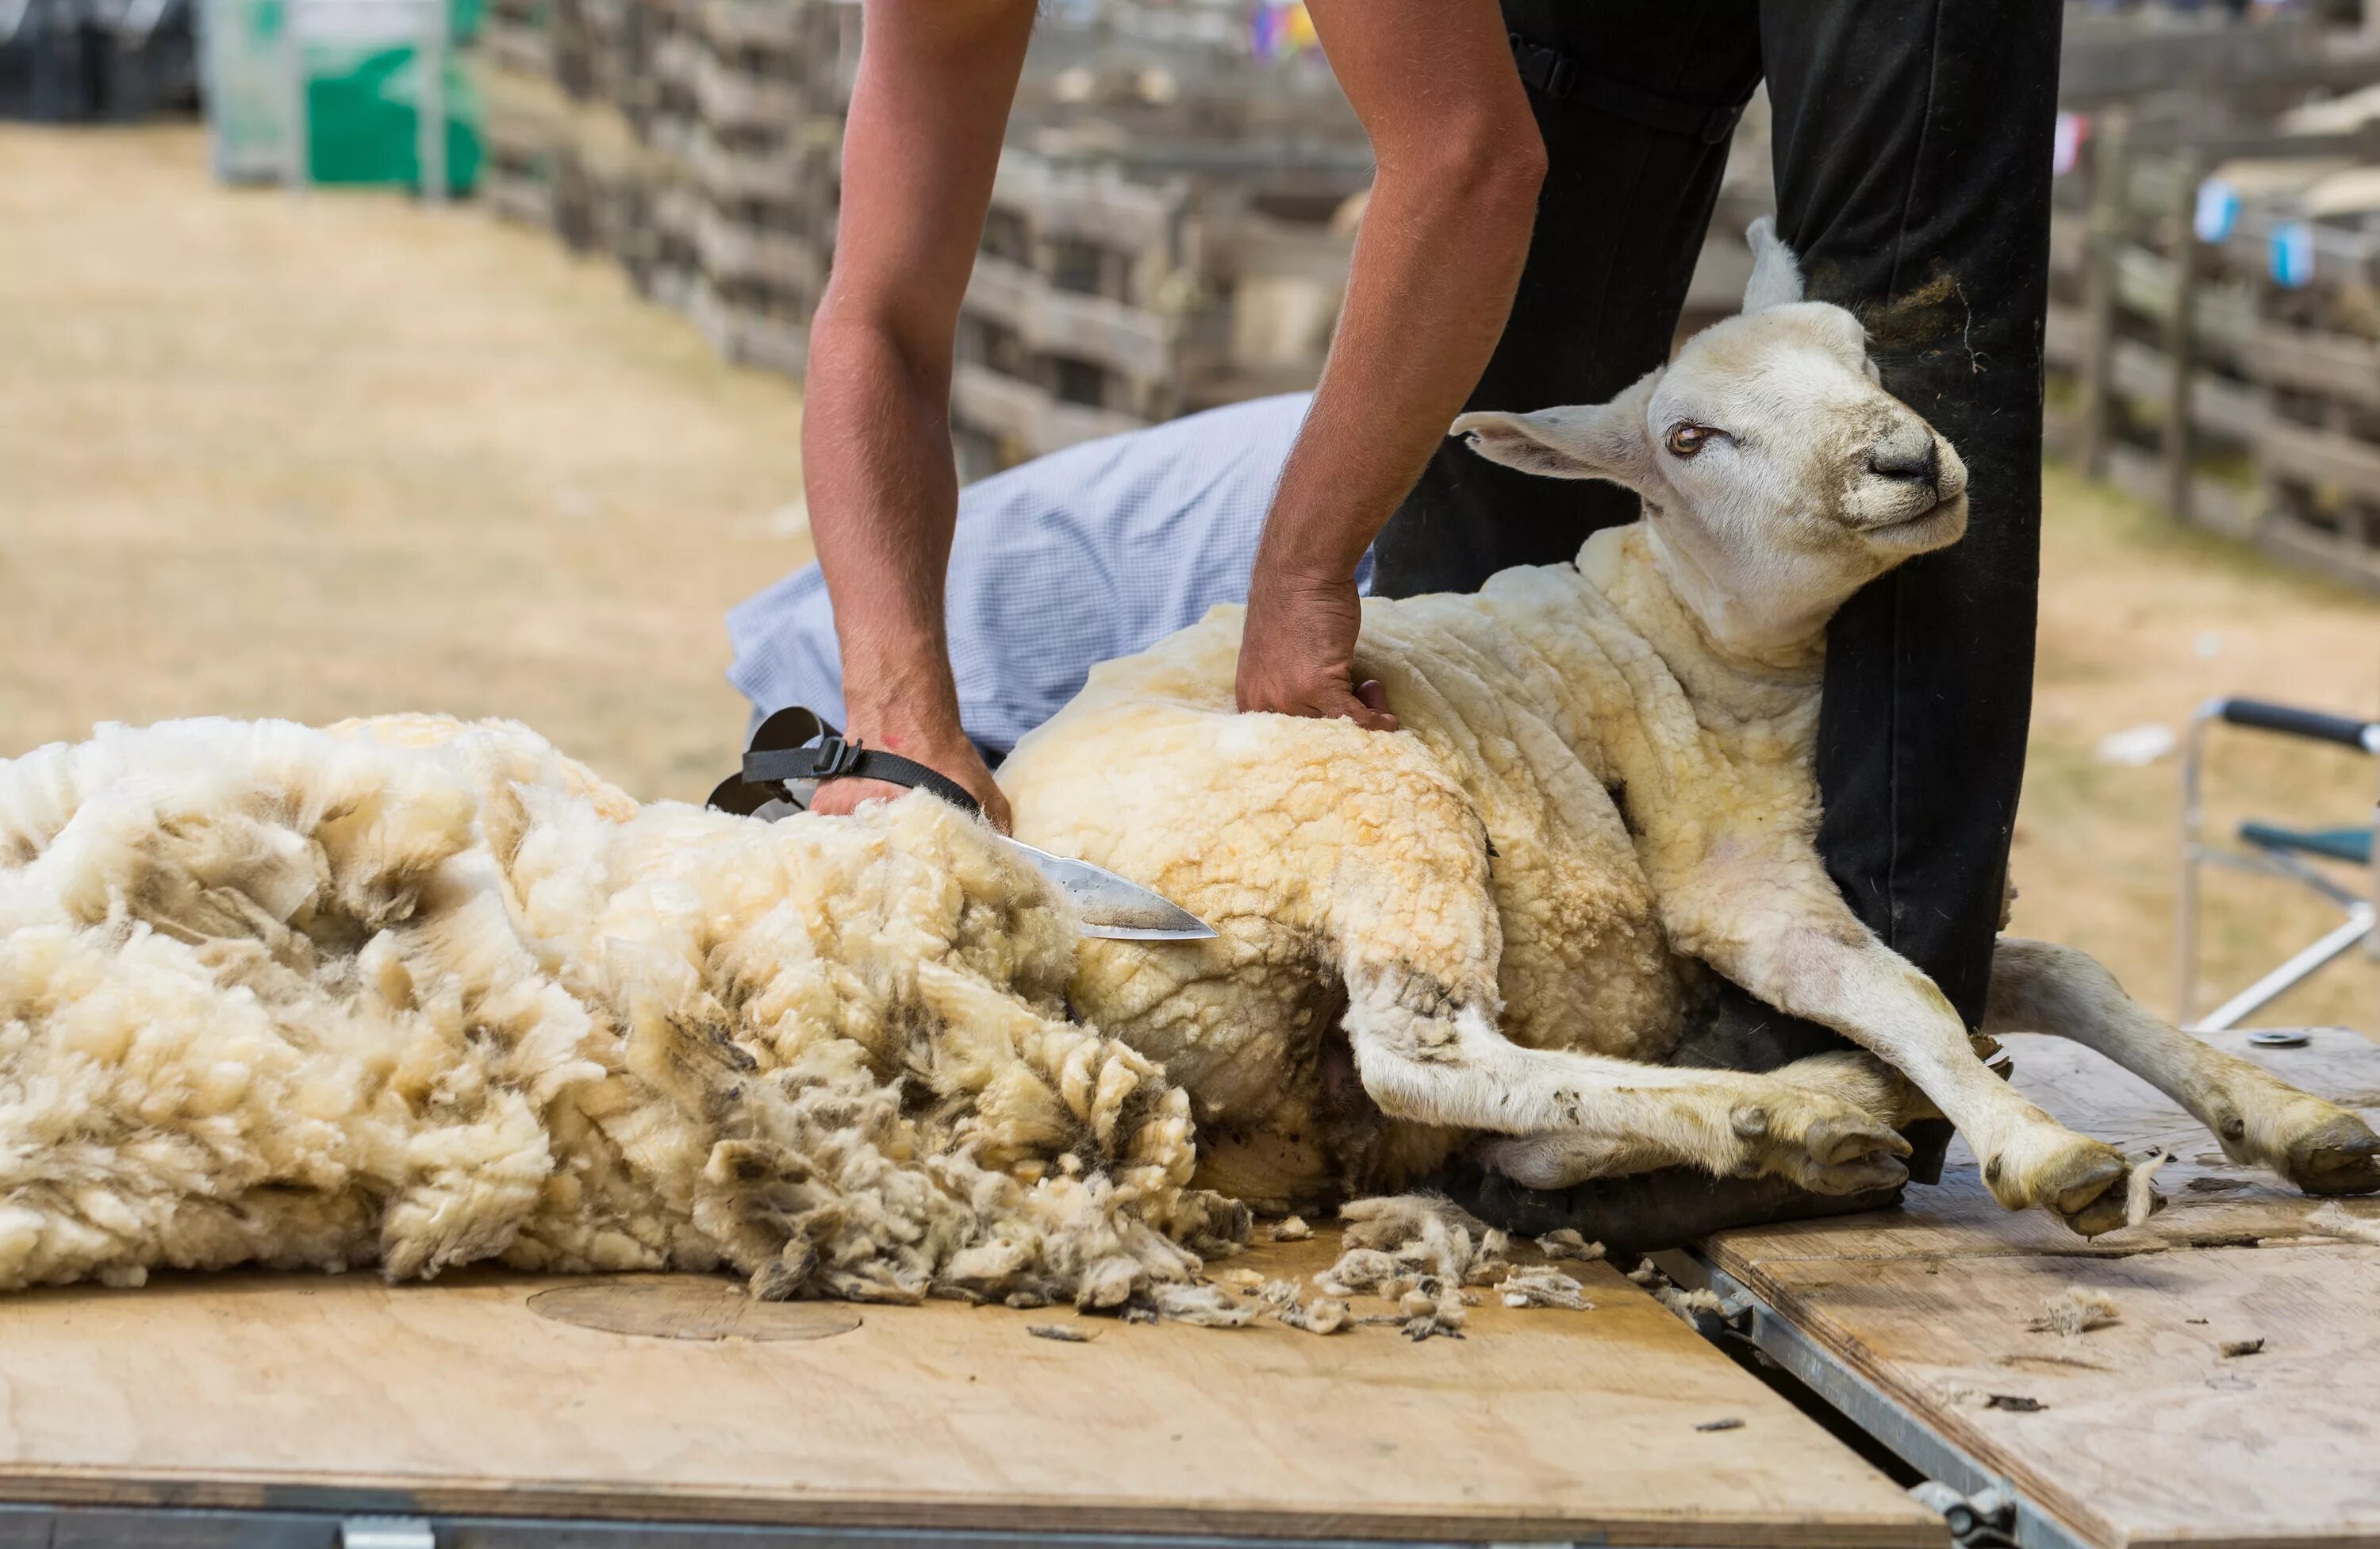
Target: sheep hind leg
[
  {"x": 1425, "y": 1057},
  {"x": 2259, "y": 1118}
]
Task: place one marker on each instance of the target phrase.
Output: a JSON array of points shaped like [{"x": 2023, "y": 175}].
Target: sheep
[
  {"x": 412, "y": 993},
  {"x": 1602, "y": 795}
]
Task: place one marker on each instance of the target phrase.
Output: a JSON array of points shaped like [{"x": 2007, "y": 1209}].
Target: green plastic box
[{"x": 364, "y": 68}]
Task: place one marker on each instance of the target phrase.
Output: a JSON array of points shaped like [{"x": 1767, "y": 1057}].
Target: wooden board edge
[
  {"x": 89, "y": 1487},
  {"x": 2073, "y": 1513}
]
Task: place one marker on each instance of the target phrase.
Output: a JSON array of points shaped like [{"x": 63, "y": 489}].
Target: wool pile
[{"x": 411, "y": 993}]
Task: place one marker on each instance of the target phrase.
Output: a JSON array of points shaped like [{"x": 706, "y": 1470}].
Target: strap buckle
[
  {"x": 833, "y": 756},
  {"x": 824, "y": 759}
]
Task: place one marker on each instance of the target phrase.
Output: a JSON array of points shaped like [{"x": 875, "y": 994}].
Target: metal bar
[
  {"x": 52, "y": 1527},
  {"x": 297, "y": 165},
  {"x": 429, "y": 108},
  {"x": 2194, "y": 815},
  {"x": 2276, "y": 863},
  {"x": 2372, "y": 942},
  {"x": 2270, "y": 864},
  {"x": 2358, "y": 926},
  {"x": 1892, "y": 1423}
]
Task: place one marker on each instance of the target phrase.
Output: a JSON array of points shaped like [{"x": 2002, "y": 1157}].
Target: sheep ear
[
  {"x": 1590, "y": 441},
  {"x": 1776, "y": 273}
]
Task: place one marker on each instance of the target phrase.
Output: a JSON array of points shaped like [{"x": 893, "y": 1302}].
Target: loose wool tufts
[
  {"x": 413, "y": 994},
  {"x": 2076, "y": 1310}
]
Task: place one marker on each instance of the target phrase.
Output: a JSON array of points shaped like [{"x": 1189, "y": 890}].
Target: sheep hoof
[
  {"x": 2106, "y": 1213},
  {"x": 2081, "y": 1178},
  {"x": 2339, "y": 1156},
  {"x": 1832, "y": 1142},
  {"x": 1842, "y": 1151},
  {"x": 1870, "y": 1175}
]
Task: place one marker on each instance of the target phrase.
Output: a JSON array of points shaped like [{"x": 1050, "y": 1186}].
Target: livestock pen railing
[
  {"x": 1171, "y": 229},
  {"x": 2214, "y": 331}
]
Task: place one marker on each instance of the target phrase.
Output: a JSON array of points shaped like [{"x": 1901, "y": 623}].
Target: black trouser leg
[
  {"x": 1618, "y": 225},
  {"x": 1912, "y": 167},
  {"x": 1912, "y": 143}
]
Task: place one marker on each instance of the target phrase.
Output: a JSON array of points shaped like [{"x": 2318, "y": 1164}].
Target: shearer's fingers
[{"x": 841, "y": 796}]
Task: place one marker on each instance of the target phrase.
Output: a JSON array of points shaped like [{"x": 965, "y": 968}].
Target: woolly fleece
[{"x": 411, "y": 993}]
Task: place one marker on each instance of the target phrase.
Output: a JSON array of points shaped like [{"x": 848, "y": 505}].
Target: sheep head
[{"x": 1778, "y": 477}]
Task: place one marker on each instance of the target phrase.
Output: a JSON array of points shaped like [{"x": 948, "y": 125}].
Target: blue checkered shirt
[{"x": 1088, "y": 554}]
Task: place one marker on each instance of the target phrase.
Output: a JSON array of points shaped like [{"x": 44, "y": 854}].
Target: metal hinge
[
  {"x": 1985, "y": 1519},
  {"x": 387, "y": 1532}
]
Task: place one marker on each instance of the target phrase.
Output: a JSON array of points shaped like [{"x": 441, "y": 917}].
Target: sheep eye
[{"x": 1686, "y": 438}]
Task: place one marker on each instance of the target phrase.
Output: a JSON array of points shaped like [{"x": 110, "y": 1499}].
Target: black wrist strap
[
  {"x": 798, "y": 744},
  {"x": 835, "y": 759}
]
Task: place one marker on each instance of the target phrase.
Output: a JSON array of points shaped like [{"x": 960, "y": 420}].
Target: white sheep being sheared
[
  {"x": 411, "y": 993},
  {"x": 1603, "y": 793}
]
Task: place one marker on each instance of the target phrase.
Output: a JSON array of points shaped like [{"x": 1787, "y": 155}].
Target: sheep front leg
[
  {"x": 2259, "y": 1118},
  {"x": 1818, "y": 961},
  {"x": 1426, "y": 1055}
]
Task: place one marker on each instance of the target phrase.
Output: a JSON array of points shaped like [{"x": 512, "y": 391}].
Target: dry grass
[
  {"x": 259, "y": 457},
  {"x": 2141, "y": 622},
  {"x": 263, "y": 458}
]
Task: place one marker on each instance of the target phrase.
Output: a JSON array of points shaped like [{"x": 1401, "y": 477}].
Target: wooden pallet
[
  {"x": 463, "y": 1397},
  {"x": 2274, "y": 375},
  {"x": 2145, "y": 1433}
]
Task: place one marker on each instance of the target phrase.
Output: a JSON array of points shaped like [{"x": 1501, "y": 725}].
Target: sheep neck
[
  {"x": 1625, "y": 565},
  {"x": 1753, "y": 634}
]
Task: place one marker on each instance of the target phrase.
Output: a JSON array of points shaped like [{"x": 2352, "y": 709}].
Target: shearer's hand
[
  {"x": 1297, "y": 654},
  {"x": 947, "y": 753}
]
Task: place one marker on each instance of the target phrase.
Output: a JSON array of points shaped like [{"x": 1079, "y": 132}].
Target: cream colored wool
[
  {"x": 411, "y": 993},
  {"x": 1495, "y": 928},
  {"x": 2076, "y": 1310},
  {"x": 1532, "y": 710}
]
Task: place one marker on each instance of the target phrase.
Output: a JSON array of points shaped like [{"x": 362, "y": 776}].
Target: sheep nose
[{"x": 1915, "y": 458}]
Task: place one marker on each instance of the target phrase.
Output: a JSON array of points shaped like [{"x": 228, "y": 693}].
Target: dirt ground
[
  {"x": 2141, "y": 623},
  {"x": 265, "y": 457}
]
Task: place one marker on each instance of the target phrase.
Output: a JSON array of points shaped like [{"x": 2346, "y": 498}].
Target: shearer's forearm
[
  {"x": 883, "y": 499},
  {"x": 1445, "y": 234},
  {"x": 921, "y": 145},
  {"x": 1415, "y": 333}
]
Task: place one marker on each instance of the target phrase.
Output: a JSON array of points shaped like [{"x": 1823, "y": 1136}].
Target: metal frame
[
  {"x": 1994, "y": 1510},
  {"x": 65, "y": 1526},
  {"x": 2361, "y": 913}
]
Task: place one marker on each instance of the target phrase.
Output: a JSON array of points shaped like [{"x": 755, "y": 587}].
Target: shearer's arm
[
  {"x": 1435, "y": 264},
  {"x": 931, "y": 98}
]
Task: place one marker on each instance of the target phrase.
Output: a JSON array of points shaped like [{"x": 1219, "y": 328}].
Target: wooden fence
[
  {"x": 2214, "y": 341},
  {"x": 1169, "y": 231}
]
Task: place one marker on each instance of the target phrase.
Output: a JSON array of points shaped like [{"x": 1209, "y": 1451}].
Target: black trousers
[{"x": 1913, "y": 168}]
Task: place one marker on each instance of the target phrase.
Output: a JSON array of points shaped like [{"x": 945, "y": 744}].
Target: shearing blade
[{"x": 1111, "y": 906}]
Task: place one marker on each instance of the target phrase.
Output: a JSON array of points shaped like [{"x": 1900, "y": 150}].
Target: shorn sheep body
[
  {"x": 1601, "y": 799},
  {"x": 410, "y": 993}
]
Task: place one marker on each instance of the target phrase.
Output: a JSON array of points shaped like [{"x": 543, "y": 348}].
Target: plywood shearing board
[
  {"x": 459, "y": 1399},
  {"x": 2146, "y": 1433}
]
